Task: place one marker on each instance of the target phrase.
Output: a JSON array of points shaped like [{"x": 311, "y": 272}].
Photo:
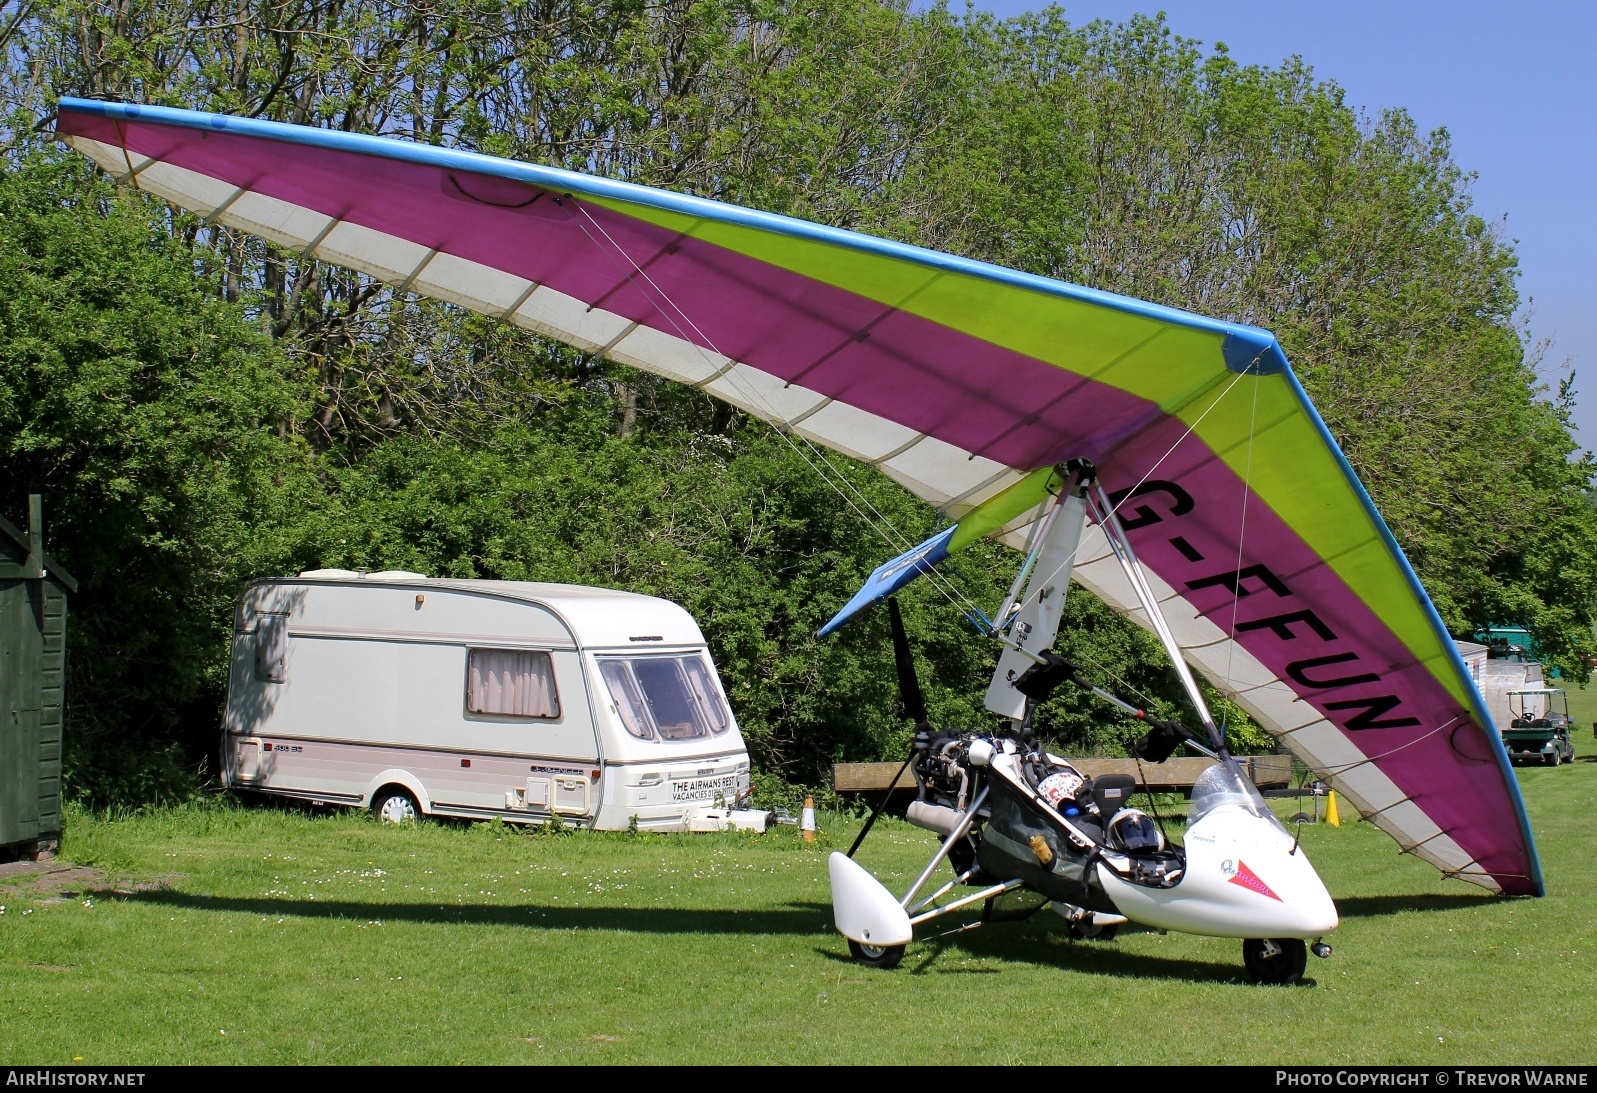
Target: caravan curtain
[{"x": 512, "y": 682}]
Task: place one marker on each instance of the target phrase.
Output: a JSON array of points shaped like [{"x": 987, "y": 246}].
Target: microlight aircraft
[
  {"x": 1013, "y": 816},
  {"x": 1257, "y": 555}
]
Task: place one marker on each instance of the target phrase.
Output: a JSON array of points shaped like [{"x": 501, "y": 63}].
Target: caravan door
[{"x": 539, "y": 700}]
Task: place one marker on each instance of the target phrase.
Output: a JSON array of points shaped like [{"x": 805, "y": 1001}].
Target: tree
[
  {"x": 149, "y": 414},
  {"x": 1121, "y": 157}
]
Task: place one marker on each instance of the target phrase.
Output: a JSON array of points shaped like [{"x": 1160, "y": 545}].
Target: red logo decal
[{"x": 1250, "y": 880}]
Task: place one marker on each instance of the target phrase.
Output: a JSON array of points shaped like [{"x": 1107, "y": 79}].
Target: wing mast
[
  {"x": 1032, "y": 630},
  {"x": 1046, "y": 572}
]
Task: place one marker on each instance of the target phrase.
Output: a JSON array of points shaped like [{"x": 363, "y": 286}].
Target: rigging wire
[
  {"x": 1114, "y": 510},
  {"x": 1242, "y": 531},
  {"x": 1012, "y": 608},
  {"x": 1111, "y": 512},
  {"x": 832, "y": 476}
]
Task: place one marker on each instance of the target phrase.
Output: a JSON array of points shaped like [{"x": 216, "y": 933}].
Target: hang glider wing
[{"x": 955, "y": 378}]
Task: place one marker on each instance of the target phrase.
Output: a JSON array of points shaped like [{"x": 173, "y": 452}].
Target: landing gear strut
[{"x": 1275, "y": 960}]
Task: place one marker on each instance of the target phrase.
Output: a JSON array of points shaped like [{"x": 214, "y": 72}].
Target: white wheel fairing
[
  {"x": 863, "y": 910},
  {"x": 1243, "y": 879}
]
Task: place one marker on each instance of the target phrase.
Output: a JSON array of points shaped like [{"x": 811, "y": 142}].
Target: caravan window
[
  {"x": 511, "y": 683},
  {"x": 271, "y": 646},
  {"x": 628, "y": 700},
  {"x": 665, "y": 698}
]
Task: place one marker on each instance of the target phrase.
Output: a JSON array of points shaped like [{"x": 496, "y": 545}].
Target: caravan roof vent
[
  {"x": 396, "y": 575},
  {"x": 328, "y": 574}
]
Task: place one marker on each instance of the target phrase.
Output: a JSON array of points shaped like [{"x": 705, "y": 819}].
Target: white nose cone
[{"x": 1243, "y": 879}]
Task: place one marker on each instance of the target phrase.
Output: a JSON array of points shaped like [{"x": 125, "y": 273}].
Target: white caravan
[{"x": 411, "y": 695}]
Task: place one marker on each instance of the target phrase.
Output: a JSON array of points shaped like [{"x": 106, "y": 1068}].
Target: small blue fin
[{"x": 889, "y": 577}]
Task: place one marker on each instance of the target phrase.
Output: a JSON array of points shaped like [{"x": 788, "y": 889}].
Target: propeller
[
  {"x": 914, "y": 708},
  {"x": 908, "y": 683}
]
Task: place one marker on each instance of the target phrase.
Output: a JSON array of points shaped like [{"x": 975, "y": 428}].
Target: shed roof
[{"x": 51, "y": 567}]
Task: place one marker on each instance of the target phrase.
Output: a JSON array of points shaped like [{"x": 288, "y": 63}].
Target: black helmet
[{"x": 1133, "y": 829}]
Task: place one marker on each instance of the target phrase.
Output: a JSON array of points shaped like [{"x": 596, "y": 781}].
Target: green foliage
[
  {"x": 742, "y": 533},
  {"x": 200, "y": 408},
  {"x": 147, "y": 413},
  {"x": 102, "y": 769}
]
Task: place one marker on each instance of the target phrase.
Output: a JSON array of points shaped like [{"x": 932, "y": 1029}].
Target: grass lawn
[{"x": 258, "y": 934}]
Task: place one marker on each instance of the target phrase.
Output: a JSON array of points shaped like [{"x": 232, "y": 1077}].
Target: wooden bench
[{"x": 1173, "y": 775}]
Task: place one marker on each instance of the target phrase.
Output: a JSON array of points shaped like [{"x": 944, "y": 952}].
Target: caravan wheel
[
  {"x": 395, "y": 806},
  {"x": 876, "y": 956}
]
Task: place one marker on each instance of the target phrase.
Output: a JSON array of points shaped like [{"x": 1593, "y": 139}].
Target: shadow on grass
[
  {"x": 935, "y": 956},
  {"x": 797, "y": 918},
  {"x": 1000, "y": 942},
  {"x": 1105, "y": 958},
  {"x": 1372, "y": 906}
]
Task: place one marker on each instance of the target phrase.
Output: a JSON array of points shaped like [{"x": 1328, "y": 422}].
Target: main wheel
[
  {"x": 1091, "y": 931},
  {"x": 395, "y": 806},
  {"x": 1284, "y": 965},
  {"x": 876, "y": 956},
  {"x": 1551, "y": 760}
]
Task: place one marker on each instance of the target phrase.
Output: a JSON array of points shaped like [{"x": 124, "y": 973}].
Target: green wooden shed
[{"x": 33, "y": 661}]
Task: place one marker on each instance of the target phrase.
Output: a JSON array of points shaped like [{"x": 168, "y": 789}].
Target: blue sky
[{"x": 1514, "y": 83}]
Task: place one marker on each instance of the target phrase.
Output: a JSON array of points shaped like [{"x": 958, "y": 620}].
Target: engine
[{"x": 1041, "y": 818}]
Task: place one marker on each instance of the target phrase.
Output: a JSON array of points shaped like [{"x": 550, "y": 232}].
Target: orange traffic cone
[{"x": 807, "y": 822}]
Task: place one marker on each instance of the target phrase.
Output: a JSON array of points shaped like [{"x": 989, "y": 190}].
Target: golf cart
[{"x": 1539, "y": 729}]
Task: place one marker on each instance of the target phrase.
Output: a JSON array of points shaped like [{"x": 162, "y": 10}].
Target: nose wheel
[
  {"x": 1275, "y": 960},
  {"x": 1088, "y": 930},
  {"x": 876, "y": 956}
]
